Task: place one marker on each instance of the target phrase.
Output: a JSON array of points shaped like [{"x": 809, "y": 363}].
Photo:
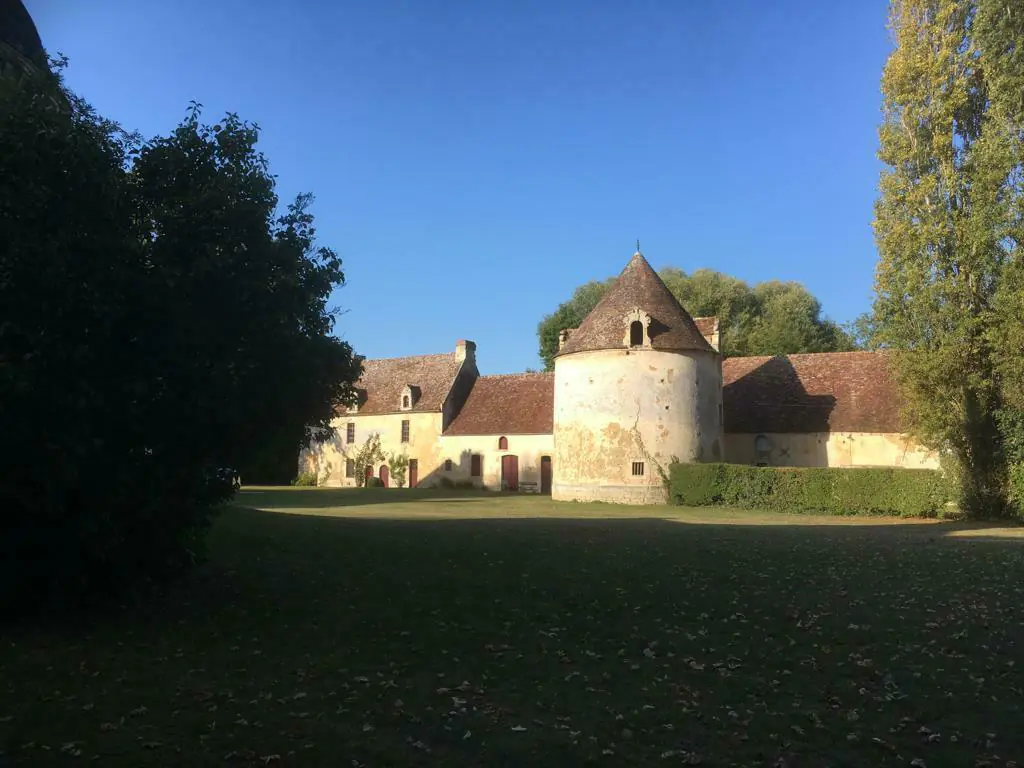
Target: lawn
[{"x": 385, "y": 628}]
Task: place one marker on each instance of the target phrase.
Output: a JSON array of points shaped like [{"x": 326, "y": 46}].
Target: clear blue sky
[{"x": 473, "y": 162}]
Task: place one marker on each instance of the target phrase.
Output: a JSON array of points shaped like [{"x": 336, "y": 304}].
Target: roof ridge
[{"x": 407, "y": 357}]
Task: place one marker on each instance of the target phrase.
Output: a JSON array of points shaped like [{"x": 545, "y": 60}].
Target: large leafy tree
[
  {"x": 158, "y": 320},
  {"x": 945, "y": 230},
  {"x": 770, "y": 318}
]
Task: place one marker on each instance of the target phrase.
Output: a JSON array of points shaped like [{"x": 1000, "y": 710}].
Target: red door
[
  {"x": 384, "y": 475},
  {"x": 545, "y": 474},
  {"x": 510, "y": 473},
  {"x": 414, "y": 472}
]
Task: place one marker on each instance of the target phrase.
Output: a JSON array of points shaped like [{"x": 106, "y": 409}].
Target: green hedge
[
  {"x": 827, "y": 490},
  {"x": 1017, "y": 489}
]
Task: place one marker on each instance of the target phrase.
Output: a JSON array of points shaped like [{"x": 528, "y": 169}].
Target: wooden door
[
  {"x": 510, "y": 473},
  {"x": 545, "y": 474},
  {"x": 384, "y": 475},
  {"x": 414, "y": 472}
]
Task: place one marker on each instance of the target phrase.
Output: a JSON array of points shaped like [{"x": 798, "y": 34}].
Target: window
[
  {"x": 350, "y": 432},
  {"x": 405, "y": 401},
  {"x": 447, "y": 465},
  {"x": 638, "y": 469},
  {"x": 350, "y": 468},
  {"x": 476, "y": 468},
  {"x": 636, "y": 334},
  {"x": 502, "y": 443},
  {"x": 405, "y": 431}
]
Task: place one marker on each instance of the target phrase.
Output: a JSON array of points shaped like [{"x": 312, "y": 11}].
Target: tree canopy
[
  {"x": 948, "y": 228},
  {"x": 160, "y": 319},
  {"x": 769, "y": 318}
]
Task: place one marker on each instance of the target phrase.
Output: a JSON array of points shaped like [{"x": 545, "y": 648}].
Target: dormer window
[
  {"x": 410, "y": 394},
  {"x": 637, "y": 329},
  {"x": 636, "y": 334}
]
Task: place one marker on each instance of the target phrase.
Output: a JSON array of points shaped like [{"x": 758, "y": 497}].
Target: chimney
[{"x": 465, "y": 350}]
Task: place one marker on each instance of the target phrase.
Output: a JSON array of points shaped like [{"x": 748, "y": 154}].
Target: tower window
[
  {"x": 405, "y": 431},
  {"x": 636, "y": 334},
  {"x": 638, "y": 469}
]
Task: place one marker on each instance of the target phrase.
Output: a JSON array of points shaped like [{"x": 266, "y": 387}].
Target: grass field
[{"x": 361, "y": 628}]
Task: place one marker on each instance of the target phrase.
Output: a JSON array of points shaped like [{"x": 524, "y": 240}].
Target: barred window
[{"x": 638, "y": 468}]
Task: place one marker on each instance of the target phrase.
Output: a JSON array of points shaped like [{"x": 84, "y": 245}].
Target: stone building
[{"x": 638, "y": 385}]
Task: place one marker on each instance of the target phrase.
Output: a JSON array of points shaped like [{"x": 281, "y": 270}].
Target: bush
[
  {"x": 1017, "y": 490},
  {"x": 374, "y": 482},
  {"x": 828, "y": 490},
  {"x": 305, "y": 480}
]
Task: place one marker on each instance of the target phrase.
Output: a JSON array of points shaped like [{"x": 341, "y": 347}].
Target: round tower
[{"x": 637, "y": 387}]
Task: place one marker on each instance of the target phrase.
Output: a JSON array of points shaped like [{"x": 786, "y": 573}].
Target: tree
[
  {"x": 398, "y": 465},
  {"x": 772, "y": 318},
  {"x": 368, "y": 457},
  {"x": 157, "y": 317},
  {"x": 944, "y": 236}
]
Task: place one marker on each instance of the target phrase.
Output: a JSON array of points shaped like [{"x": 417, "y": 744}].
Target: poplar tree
[{"x": 941, "y": 229}]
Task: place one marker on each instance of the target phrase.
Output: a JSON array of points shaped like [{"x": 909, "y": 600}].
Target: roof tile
[
  {"x": 637, "y": 287},
  {"x": 828, "y": 391},
  {"x": 514, "y": 404},
  {"x": 384, "y": 381}
]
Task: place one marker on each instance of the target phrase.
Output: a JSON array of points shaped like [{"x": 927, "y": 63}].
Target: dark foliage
[
  {"x": 829, "y": 490},
  {"x": 158, "y": 323}
]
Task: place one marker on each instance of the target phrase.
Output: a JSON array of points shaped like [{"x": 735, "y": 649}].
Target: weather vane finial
[{"x": 638, "y": 245}]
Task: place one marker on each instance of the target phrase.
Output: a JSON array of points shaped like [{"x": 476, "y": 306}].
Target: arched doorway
[
  {"x": 509, "y": 473},
  {"x": 383, "y": 475}
]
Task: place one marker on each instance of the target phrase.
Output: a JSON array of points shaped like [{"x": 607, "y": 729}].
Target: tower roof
[
  {"x": 637, "y": 287},
  {"x": 17, "y": 29}
]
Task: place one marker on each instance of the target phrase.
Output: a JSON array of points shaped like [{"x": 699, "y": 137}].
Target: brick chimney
[{"x": 465, "y": 350}]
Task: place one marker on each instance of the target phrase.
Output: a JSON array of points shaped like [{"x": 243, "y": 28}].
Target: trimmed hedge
[
  {"x": 1017, "y": 489},
  {"x": 822, "y": 490}
]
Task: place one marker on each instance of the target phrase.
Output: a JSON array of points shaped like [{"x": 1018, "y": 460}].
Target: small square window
[
  {"x": 405, "y": 431},
  {"x": 447, "y": 465},
  {"x": 350, "y": 468},
  {"x": 350, "y": 432},
  {"x": 638, "y": 469}
]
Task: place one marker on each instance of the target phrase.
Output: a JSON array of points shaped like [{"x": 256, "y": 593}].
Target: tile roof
[
  {"x": 706, "y": 325},
  {"x": 638, "y": 286},
  {"x": 828, "y": 391},
  {"x": 384, "y": 381},
  {"x": 515, "y": 404}
]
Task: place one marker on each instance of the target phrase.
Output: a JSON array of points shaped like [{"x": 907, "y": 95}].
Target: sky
[{"x": 474, "y": 162}]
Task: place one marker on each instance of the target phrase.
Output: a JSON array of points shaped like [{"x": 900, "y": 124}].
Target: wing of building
[{"x": 638, "y": 385}]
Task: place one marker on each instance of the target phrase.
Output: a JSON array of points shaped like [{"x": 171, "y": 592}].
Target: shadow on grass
[
  {"x": 541, "y": 641},
  {"x": 323, "y": 498}
]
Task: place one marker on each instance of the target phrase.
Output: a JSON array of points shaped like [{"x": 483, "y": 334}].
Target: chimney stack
[{"x": 465, "y": 350}]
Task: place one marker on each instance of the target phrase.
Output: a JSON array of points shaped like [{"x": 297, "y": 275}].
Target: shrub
[
  {"x": 829, "y": 490},
  {"x": 1017, "y": 489},
  {"x": 305, "y": 480},
  {"x": 374, "y": 482}
]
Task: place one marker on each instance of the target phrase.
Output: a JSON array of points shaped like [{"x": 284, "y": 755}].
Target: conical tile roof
[{"x": 637, "y": 287}]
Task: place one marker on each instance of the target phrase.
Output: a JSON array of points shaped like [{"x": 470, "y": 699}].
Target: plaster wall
[
  {"x": 617, "y": 407},
  {"x": 831, "y": 449},
  {"x": 327, "y": 460},
  {"x": 528, "y": 448}
]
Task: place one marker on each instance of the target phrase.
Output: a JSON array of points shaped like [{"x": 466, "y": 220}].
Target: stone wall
[{"x": 828, "y": 449}]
